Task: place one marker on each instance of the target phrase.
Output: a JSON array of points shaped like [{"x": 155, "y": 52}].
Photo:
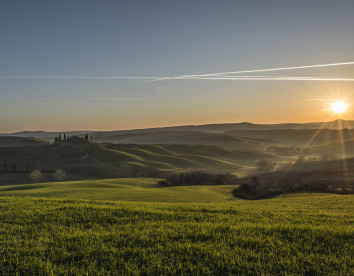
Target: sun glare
[{"x": 339, "y": 107}]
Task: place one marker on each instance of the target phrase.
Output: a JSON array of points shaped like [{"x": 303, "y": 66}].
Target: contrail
[
  {"x": 103, "y": 77},
  {"x": 260, "y": 70},
  {"x": 124, "y": 105},
  {"x": 322, "y": 100},
  {"x": 76, "y": 77},
  {"x": 272, "y": 78},
  {"x": 190, "y": 77},
  {"x": 211, "y": 76}
]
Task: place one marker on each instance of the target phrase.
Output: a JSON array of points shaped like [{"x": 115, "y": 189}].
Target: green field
[
  {"x": 130, "y": 189},
  {"x": 300, "y": 234},
  {"x": 200, "y": 230}
]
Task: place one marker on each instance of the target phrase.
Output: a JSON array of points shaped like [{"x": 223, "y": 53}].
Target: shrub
[
  {"x": 36, "y": 176},
  {"x": 59, "y": 175}
]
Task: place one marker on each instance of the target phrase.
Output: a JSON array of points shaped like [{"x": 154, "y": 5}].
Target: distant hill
[
  {"x": 42, "y": 134},
  {"x": 297, "y": 136},
  {"x": 11, "y": 141},
  {"x": 209, "y": 128},
  {"x": 183, "y": 137}
]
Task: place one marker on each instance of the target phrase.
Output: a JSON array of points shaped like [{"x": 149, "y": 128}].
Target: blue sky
[{"x": 168, "y": 38}]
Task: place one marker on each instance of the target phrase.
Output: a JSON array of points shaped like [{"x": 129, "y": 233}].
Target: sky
[{"x": 110, "y": 65}]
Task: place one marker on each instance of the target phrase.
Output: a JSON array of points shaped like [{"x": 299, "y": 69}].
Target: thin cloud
[
  {"x": 261, "y": 70},
  {"x": 212, "y": 76},
  {"x": 78, "y": 77},
  {"x": 118, "y": 99},
  {"x": 121, "y": 105},
  {"x": 322, "y": 100},
  {"x": 273, "y": 78}
]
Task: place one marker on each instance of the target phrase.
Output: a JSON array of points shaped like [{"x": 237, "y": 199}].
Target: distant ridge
[{"x": 211, "y": 128}]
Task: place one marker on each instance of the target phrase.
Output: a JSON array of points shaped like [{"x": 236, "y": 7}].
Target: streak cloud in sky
[{"x": 213, "y": 76}]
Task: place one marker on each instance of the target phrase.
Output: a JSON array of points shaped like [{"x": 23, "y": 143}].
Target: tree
[
  {"x": 27, "y": 167},
  {"x": 59, "y": 175},
  {"x": 36, "y": 176}
]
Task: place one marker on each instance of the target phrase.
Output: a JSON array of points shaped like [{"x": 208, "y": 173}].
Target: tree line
[
  {"x": 12, "y": 168},
  {"x": 62, "y": 138}
]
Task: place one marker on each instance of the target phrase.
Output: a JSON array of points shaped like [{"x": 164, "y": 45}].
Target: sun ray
[
  {"x": 300, "y": 165},
  {"x": 343, "y": 151}
]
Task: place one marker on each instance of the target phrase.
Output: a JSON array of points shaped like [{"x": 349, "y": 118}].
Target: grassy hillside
[
  {"x": 184, "y": 137},
  {"x": 70, "y": 157},
  {"x": 12, "y": 141},
  {"x": 192, "y": 156},
  {"x": 304, "y": 234},
  {"x": 84, "y": 159},
  {"x": 130, "y": 189}
]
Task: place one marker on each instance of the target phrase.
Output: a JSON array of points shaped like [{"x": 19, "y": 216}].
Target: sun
[{"x": 339, "y": 106}]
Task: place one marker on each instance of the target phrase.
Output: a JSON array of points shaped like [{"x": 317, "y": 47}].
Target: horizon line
[{"x": 173, "y": 126}]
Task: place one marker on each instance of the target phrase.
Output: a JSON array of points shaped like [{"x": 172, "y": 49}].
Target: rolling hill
[
  {"x": 208, "y": 128},
  {"x": 90, "y": 160},
  {"x": 13, "y": 141},
  {"x": 186, "y": 138},
  {"x": 130, "y": 189},
  {"x": 299, "y": 137}
]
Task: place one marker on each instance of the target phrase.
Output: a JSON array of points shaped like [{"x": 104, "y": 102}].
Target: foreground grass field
[{"x": 293, "y": 234}]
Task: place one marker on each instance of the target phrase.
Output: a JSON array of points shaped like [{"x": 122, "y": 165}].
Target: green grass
[
  {"x": 302, "y": 234},
  {"x": 130, "y": 189}
]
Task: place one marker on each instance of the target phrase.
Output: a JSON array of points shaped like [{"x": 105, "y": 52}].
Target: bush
[
  {"x": 36, "y": 176},
  {"x": 59, "y": 175}
]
